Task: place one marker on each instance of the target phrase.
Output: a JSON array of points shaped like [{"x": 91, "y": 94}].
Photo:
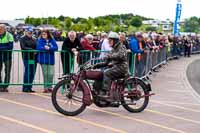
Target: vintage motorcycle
[{"x": 74, "y": 92}]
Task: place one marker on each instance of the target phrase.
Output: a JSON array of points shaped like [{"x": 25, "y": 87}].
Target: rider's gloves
[
  {"x": 94, "y": 66},
  {"x": 107, "y": 57},
  {"x": 110, "y": 65}
]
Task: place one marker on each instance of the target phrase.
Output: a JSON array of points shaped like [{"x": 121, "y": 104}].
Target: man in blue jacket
[
  {"x": 6, "y": 43},
  {"x": 134, "y": 45},
  {"x": 137, "y": 46}
]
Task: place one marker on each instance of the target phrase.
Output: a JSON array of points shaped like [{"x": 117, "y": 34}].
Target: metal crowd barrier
[
  {"x": 17, "y": 66},
  {"x": 67, "y": 62},
  {"x": 86, "y": 55}
]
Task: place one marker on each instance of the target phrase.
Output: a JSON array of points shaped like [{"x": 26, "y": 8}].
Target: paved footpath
[{"x": 174, "y": 109}]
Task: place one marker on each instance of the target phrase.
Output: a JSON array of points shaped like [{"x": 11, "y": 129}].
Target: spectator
[
  {"x": 168, "y": 45},
  {"x": 96, "y": 42},
  {"x": 102, "y": 37},
  {"x": 70, "y": 45},
  {"x": 28, "y": 44},
  {"x": 47, "y": 46},
  {"x": 148, "y": 42},
  {"x": 63, "y": 35},
  {"x": 187, "y": 46},
  {"x": 137, "y": 46},
  {"x": 99, "y": 35},
  {"x": 122, "y": 39},
  {"x": 86, "y": 44},
  {"x": 80, "y": 35},
  {"x": 105, "y": 45},
  {"x": 6, "y": 43},
  {"x": 134, "y": 50},
  {"x": 180, "y": 46},
  {"x": 134, "y": 45},
  {"x": 175, "y": 47}
]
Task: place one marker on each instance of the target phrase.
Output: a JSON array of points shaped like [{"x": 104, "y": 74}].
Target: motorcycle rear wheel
[{"x": 137, "y": 91}]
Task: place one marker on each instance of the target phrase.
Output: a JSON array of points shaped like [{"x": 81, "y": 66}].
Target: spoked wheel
[
  {"x": 65, "y": 101},
  {"x": 135, "y": 97}
]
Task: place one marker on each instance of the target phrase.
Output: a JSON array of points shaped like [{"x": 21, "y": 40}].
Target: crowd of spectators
[{"x": 46, "y": 41}]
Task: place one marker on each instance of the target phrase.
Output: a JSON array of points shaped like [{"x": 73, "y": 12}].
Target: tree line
[{"x": 117, "y": 23}]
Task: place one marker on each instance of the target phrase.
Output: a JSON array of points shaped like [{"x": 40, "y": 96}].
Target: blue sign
[{"x": 178, "y": 17}]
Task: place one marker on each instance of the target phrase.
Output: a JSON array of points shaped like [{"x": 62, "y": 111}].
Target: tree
[
  {"x": 33, "y": 21},
  {"x": 82, "y": 20},
  {"x": 79, "y": 27},
  {"x": 68, "y": 23},
  {"x": 150, "y": 28},
  {"x": 136, "y": 22},
  {"x": 36, "y": 21},
  {"x": 117, "y": 29},
  {"x": 192, "y": 25},
  {"x": 54, "y": 21},
  {"x": 97, "y": 22},
  {"x": 27, "y": 20},
  {"x": 105, "y": 23},
  {"x": 61, "y": 18}
]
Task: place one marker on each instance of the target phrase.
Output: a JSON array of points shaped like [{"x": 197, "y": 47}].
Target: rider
[{"x": 116, "y": 62}]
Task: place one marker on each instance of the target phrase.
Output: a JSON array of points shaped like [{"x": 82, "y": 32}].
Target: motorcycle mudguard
[
  {"x": 87, "y": 99},
  {"x": 148, "y": 85}
]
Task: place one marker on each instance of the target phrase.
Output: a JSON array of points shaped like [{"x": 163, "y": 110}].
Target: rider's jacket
[{"x": 118, "y": 59}]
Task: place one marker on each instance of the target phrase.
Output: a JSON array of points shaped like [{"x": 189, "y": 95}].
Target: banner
[{"x": 178, "y": 17}]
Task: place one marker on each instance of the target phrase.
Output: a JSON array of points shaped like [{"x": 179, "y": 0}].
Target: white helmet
[{"x": 113, "y": 35}]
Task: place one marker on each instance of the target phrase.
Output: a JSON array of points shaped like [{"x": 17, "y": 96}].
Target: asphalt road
[{"x": 193, "y": 74}]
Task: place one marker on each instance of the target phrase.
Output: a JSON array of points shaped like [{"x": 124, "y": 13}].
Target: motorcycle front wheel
[{"x": 66, "y": 102}]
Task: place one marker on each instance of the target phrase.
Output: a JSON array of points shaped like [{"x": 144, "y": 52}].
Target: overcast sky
[{"x": 158, "y": 9}]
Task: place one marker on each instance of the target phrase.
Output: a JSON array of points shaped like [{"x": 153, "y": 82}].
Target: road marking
[
  {"x": 174, "y": 82},
  {"x": 173, "y": 116},
  {"x": 56, "y": 113},
  {"x": 176, "y": 106},
  {"x": 172, "y": 102},
  {"x": 19, "y": 92},
  {"x": 180, "y": 91},
  {"x": 126, "y": 117},
  {"x": 25, "y": 124}
]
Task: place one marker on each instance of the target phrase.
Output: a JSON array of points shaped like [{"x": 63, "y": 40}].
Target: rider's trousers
[{"x": 110, "y": 75}]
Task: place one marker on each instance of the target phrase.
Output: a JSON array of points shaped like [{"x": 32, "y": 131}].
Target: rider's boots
[{"x": 105, "y": 94}]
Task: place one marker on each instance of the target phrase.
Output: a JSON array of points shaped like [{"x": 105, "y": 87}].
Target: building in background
[
  {"x": 12, "y": 23},
  {"x": 166, "y": 25}
]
